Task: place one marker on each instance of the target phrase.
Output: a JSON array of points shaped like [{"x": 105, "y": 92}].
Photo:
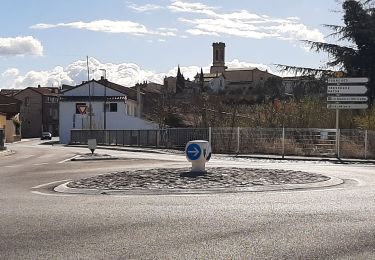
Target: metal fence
[{"x": 350, "y": 143}]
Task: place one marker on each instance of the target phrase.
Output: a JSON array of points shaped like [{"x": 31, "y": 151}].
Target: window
[
  {"x": 27, "y": 101},
  {"x": 111, "y": 107}
]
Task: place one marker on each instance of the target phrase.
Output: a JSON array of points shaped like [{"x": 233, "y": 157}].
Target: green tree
[{"x": 354, "y": 52}]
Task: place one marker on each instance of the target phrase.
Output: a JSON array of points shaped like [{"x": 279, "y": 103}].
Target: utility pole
[
  {"x": 88, "y": 80},
  {"x": 105, "y": 99}
]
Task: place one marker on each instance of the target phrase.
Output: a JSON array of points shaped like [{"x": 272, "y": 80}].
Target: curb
[
  {"x": 6, "y": 152},
  {"x": 77, "y": 159},
  {"x": 333, "y": 181}
]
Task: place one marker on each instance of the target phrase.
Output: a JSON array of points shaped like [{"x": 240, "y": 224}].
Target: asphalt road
[{"x": 36, "y": 223}]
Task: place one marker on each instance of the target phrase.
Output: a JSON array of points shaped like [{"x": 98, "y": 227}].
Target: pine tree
[{"x": 356, "y": 55}]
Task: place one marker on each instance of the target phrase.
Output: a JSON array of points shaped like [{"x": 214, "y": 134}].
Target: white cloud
[
  {"x": 144, "y": 8},
  {"x": 179, "y": 6},
  {"x": 243, "y": 24},
  {"x": 11, "y": 73},
  {"x": 127, "y": 74},
  {"x": 20, "y": 46},
  {"x": 109, "y": 26}
]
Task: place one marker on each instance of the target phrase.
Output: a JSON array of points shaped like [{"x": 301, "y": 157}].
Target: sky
[{"x": 45, "y": 42}]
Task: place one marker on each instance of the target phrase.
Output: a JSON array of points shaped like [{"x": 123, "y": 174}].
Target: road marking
[
  {"x": 46, "y": 184},
  {"x": 38, "y": 164},
  {"x": 52, "y": 194},
  {"x": 13, "y": 166},
  {"x": 66, "y": 160}
]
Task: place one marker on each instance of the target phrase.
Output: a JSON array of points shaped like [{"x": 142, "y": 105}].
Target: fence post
[
  {"x": 366, "y": 144},
  {"x": 338, "y": 143},
  {"x": 238, "y": 140},
  {"x": 209, "y": 135},
  {"x": 283, "y": 143},
  {"x": 157, "y": 132}
]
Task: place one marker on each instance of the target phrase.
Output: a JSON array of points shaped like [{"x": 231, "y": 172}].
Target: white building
[{"x": 123, "y": 108}]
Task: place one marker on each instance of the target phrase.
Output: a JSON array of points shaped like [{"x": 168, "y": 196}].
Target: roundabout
[{"x": 181, "y": 180}]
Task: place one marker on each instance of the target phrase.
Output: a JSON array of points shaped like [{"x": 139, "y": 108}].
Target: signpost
[
  {"x": 347, "y": 80},
  {"x": 82, "y": 109},
  {"x": 349, "y": 89},
  {"x": 347, "y": 106},
  {"x": 346, "y": 95},
  {"x": 347, "y": 99}
]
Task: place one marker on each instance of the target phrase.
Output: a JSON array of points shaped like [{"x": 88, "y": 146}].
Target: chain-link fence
[{"x": 349, "y": 143}]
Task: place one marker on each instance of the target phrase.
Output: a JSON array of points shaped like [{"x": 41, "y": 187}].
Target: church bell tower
[{"x": 218, "y": 58}]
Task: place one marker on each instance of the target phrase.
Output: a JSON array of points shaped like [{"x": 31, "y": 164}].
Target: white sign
[
  {"x": 359, "y": 89},
  {"x": 347, "y": 106},
  {"x": 348, "y": 99},
  {"x": 91, "y": 143},
  {"x": 347, "y": 80}
]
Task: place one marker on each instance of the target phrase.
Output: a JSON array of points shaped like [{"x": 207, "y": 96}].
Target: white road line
[
  {"x": 13, "y": 166},
  {"x": 66, "y": 160},
  {"x": 38, "y": 164},
  {"x": 46, "y": 184},
  {"x": 51, "y": 194}
]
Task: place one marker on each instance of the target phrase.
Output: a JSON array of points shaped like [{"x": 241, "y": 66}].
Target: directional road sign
[
  {"x": 347, "y": 80},
  {"x": 347, "y": 106},
  {"x": 352, "y": 89},
  {"x": 347, "y": 99},
  {"x": 193, "y": 152}
]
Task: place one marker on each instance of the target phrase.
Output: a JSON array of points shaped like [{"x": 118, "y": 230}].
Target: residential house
[
  {"x": 9, "y": 92},
  {"x": 39, "y": 111},
  {"x": 101, "y": 104},
  {"x": 10, "y": 109}
]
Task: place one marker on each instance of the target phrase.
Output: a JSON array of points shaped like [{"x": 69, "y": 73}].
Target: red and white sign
[{"x": 82, "y": 109}]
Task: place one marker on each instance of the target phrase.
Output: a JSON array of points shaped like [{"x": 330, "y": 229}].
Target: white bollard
[{"x": 198, "y": 152}]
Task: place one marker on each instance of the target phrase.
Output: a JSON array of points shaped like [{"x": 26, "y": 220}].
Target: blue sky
[{"x": 46, "y": 42}]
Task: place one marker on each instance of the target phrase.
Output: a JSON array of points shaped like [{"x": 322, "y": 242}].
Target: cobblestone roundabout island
[{"x": 181, "y": 178}]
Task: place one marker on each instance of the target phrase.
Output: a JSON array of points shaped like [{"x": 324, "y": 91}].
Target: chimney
[
  {"x": 38, "y": 86},
  {"x": 102, "y": 78}
]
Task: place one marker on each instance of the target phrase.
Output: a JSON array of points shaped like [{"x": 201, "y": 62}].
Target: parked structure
[
  {"x": 101, "y": 104},
  {"x": 9, "y": 110},
  {"x": 39, "y": 111}
]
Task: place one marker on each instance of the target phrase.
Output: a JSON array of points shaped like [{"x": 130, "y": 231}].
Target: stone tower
[{"x": 218, "y": 58}]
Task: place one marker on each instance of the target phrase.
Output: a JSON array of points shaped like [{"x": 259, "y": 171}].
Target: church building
[{"x": 235, "y": 81}]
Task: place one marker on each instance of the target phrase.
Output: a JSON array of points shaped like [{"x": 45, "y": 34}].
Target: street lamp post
[{"x": 105, "y": 99}]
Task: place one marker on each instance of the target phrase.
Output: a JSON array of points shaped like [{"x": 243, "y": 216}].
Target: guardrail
[{"x": 352, "y": 143}]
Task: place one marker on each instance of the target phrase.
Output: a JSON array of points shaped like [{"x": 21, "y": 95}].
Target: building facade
[
  {"x": 10, "y": 109},
  {"x": 39, "y": 111},
  {"x": 99, "y": 105}
]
